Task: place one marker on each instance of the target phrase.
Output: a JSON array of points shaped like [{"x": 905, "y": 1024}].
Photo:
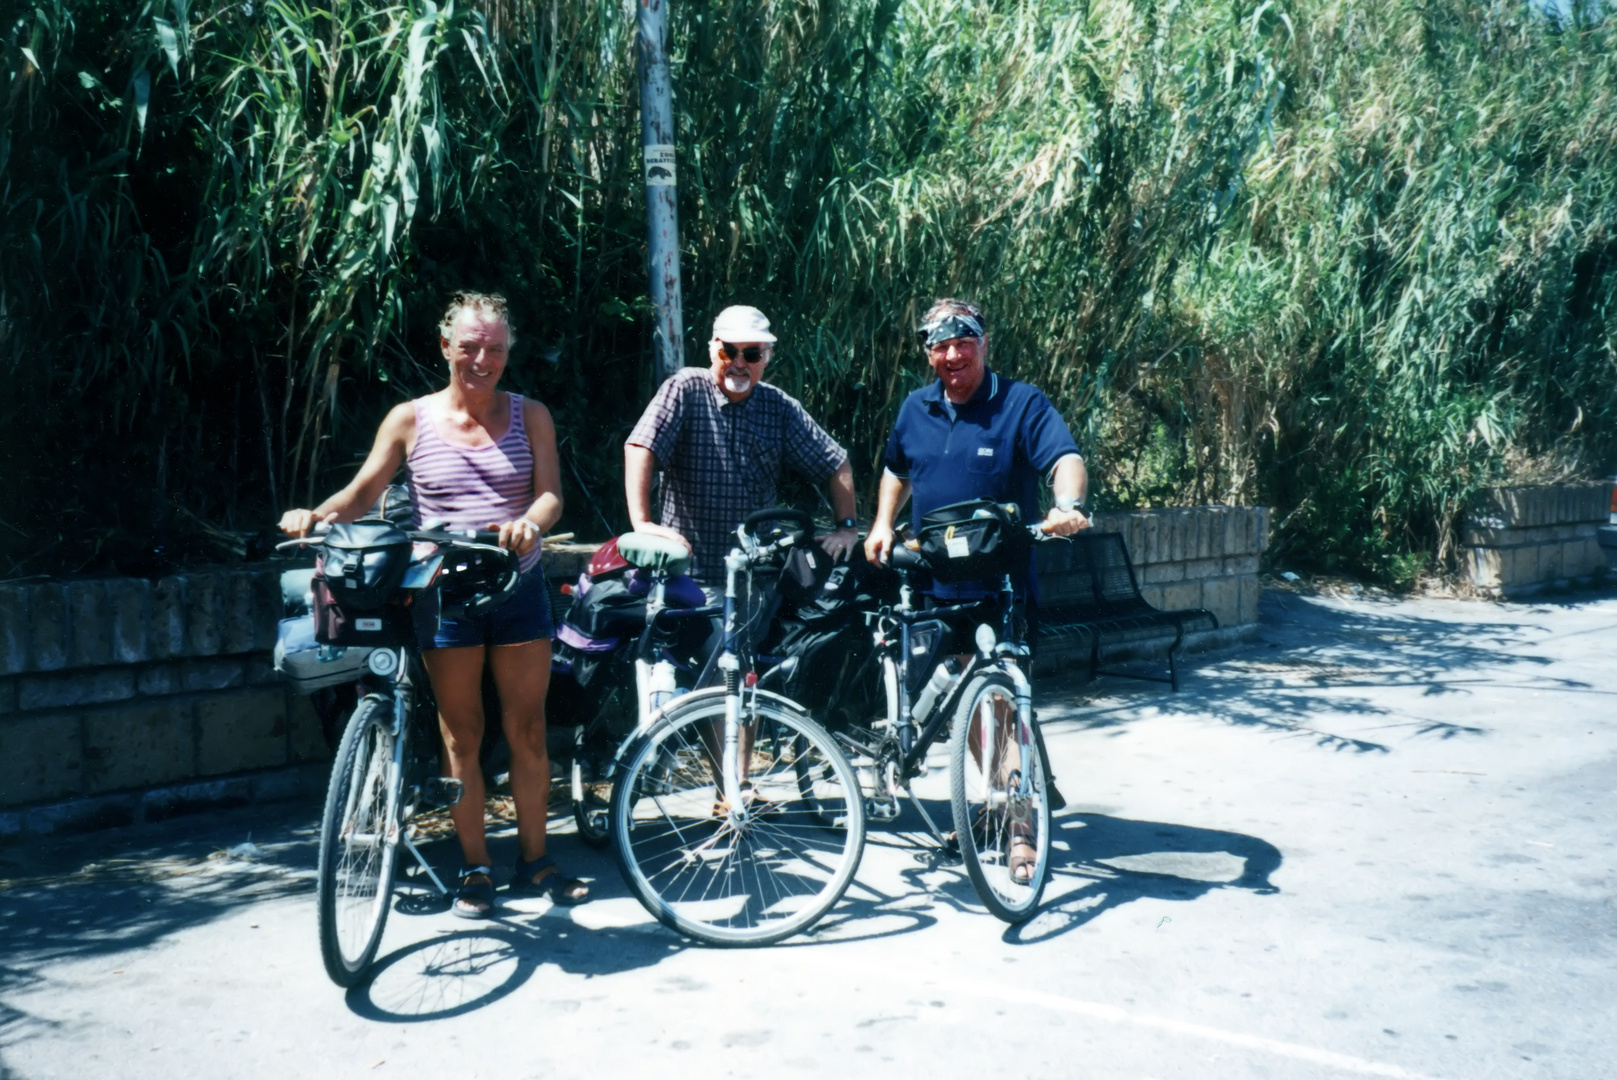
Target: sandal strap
[
  {"x": 468, "y": 871},
  {"x": 526, "y": 869}
]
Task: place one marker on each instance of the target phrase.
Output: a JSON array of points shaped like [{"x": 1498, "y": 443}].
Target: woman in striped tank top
[{"x": 480, "y": 459}]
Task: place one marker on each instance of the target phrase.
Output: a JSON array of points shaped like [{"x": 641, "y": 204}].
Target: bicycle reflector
[{"x": 1614, "y": 502}]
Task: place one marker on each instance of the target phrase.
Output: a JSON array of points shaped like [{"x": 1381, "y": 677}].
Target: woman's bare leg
[
  {"x": 457, "y": 683},
  {"x": 522, "y": 674}
]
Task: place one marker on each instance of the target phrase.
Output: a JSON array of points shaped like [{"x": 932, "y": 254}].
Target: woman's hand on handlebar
[
  {"x": 879, "y": 544},
  {"x": 517, "y": 537},
  {"x": 300, "y": 523},
  {"x": 1060, "y": 522}
]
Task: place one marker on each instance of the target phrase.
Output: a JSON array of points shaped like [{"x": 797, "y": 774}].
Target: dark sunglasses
[{"x": 752, "y": 354}]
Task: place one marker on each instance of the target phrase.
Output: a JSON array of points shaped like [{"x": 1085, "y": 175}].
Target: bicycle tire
[
  {"x": 358, "y": 849},
  {"x": 988, "y": 815},
  {"x": 721, "y": 879}
]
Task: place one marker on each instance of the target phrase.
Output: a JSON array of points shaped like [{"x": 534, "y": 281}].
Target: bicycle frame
[{"x": 915, "y": 735}]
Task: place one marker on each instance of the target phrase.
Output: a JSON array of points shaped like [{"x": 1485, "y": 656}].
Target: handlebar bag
[
  {"x": 363, "y": 563},
  {"x": 337, "y": 623},
  {"x": 972, "y": 541}
]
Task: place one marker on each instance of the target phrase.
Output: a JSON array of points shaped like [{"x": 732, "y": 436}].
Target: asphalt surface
[{"x": 1378, "y": 842}]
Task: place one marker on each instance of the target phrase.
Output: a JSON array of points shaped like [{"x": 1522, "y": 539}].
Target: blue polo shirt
[{"x": 998, "y": 446}]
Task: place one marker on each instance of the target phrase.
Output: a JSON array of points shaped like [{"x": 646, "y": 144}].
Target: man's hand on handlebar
[
  {"x": 517, "y": 537},
  {"x": 879, "y": 544},
  {"x": 840, "y": 544},
  {"x": 648, "y": 528},
  {"x": 1060, "y": 522},
  {"x": 300, "y": 523}
]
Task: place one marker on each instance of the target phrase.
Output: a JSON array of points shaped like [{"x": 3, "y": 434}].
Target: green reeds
[{"x": 1356, "y": 263}]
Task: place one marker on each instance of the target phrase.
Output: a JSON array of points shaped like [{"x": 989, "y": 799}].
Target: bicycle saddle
[{"x": 654, "y": 553}]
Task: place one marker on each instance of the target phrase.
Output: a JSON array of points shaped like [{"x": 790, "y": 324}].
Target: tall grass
[{"x": 1357, "y": 265}]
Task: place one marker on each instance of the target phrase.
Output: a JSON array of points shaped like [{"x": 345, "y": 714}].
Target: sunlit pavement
[{"x": 1378, "y": 842}]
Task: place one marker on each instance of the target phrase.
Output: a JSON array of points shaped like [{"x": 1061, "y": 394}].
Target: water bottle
[
  {"x": 661, "y": 687},
  {"x": 936, "y": 685}
]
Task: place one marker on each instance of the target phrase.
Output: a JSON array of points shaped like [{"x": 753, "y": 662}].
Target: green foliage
[{"x": 1356, "y": 265}]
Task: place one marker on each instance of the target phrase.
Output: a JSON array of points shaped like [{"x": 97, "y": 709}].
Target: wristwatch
[
  {"x": 847, "y": 523},
  {"x": 1070, "y": 503}
]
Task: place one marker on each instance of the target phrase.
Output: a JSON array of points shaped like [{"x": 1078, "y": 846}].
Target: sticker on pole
[{"x": 660, "y": 165}]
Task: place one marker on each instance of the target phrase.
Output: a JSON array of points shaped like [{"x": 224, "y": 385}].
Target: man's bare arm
[
  {"x": 639, "y": 467},
  {"x": 839, "y": 487},
  {"x": 1069, "y": 480},
  {"x": 891, "y": 495}
]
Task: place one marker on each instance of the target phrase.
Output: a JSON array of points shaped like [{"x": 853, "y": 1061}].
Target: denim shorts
[{"x": 524, "y": 617}]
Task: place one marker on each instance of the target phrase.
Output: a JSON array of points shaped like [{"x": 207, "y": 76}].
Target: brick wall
[
  {"x": 124, "y": 700},
  {"x": 1517, "y": 541},
  {"x": 123, "y": 684}
]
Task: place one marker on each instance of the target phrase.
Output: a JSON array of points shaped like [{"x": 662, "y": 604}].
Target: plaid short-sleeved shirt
[{"x": 721, "y": 460}]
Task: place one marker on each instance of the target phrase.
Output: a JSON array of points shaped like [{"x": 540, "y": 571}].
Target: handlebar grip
[
  {"x": 907, "y": 558},
  {"x": 486, "y": 536}
]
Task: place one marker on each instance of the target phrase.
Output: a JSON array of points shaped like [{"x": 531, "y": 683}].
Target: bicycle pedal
[
  {"x": 442, "y": 791},
  {"x": 882, "y": 809}
]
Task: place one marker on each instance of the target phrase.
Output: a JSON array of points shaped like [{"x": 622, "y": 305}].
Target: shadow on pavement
[
  {"x": 1117, "y": 861},
  {"x": 1314, "y": 660},
  {"x": 109, "y": 894}
]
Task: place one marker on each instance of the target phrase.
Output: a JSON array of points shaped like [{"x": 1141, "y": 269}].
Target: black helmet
[{"x": 475, "y": 581}]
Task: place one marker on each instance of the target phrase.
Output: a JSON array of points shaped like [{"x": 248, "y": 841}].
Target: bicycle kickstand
[
  {"x": 409, "y": 845},
  {"x": 945, "y": 848}
]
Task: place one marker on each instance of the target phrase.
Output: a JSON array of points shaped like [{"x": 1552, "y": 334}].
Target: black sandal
[
  {"x": 556, "y": 885},
  {"x": 474, "y": 899}
]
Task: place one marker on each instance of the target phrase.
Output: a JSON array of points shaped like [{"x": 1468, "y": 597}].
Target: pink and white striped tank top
[{"x": 469, "y": 487}]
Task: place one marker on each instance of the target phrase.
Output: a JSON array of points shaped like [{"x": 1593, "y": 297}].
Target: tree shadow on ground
[
  {"x": 1113, "y": 861},
  {"x": 1316, "y": 659},
  {"x": 114, "y": 893}
]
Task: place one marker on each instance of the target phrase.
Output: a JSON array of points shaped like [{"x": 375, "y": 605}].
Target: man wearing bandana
[{"x": 974, "y": 434}]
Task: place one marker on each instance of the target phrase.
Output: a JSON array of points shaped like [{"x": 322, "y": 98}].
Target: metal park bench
[{"x": 1087, "y": 592}]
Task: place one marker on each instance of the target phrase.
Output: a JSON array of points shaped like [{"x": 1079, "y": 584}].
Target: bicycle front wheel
[
  {"x": 748, "y": 875},
  {"x": 358, "y": 843},
  {"x": 999, "y": 796}
]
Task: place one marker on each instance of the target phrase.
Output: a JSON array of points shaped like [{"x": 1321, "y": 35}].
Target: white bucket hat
[{"x": 742, "y": 323}]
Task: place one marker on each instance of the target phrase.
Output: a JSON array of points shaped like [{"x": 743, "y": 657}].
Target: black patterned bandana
[{"x": 947, "y": 328}]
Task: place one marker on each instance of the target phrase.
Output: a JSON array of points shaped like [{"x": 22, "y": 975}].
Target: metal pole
[{"x": 662, "y": 212}]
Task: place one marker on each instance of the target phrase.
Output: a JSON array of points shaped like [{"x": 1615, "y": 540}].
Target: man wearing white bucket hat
[{"x": 721, "y": 437}]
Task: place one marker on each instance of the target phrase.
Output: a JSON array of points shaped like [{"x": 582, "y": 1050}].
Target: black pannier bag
[
  {"x": 355, "y": 586},
  {"x": 821, "y": 636},
  {"x": 973, "y": 541}
]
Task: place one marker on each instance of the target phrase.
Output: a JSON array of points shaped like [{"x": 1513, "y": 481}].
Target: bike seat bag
[
  {"x": 363, "y": 563},
  {"x": 973, "y": 541}
]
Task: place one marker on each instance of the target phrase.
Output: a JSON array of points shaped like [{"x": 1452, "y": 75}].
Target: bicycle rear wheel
[
  {"x": 751, "y": 876},
  {"x": 1003, "y": 824},
  {"x": 358, "y": 843}
]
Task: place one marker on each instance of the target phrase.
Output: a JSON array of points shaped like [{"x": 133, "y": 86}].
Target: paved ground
[{"x": 1377, "y": 843}]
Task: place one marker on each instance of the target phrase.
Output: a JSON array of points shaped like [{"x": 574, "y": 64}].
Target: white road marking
[{"x": 1098, "y": 1011}]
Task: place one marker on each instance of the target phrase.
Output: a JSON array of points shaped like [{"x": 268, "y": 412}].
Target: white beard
[{"x": 736, "y": 382}]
